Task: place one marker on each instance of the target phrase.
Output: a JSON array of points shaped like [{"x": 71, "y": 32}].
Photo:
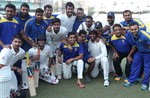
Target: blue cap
[
  {"x": 98, "y": 24},
  {"x": 111, "y": 14}
]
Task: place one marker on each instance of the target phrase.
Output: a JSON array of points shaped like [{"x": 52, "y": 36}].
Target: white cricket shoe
[{"x": 106, "y": 83}]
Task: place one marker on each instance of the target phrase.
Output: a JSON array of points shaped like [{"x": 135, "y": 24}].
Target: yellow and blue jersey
[
  {"x": 77, "y": 49},
  {"x": 141, "y": 25},
  {"x": 142, "y": 41},
  {"x": 8, "y": 29},
  {"x": 121, "y": 45},
  {"x": 32, "y": 30},
  {"x": 22, "y": 21},
  {"x": 49, "y": 20}
]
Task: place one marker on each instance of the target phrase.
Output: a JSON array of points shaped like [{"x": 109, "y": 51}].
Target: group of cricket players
[{"x": 71, "y": 43}]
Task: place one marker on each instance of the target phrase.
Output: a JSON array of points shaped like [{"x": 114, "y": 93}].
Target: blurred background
[{"x": 97, "y": 8}]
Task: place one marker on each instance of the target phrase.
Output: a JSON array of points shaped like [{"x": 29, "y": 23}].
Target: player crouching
[{"x": 45, "y": 59}]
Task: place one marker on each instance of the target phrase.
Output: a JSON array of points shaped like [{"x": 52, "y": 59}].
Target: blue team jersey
[
  {"x": 22, "y": 21},
  {"x": 128, "y": 37},
  {"x": 120, "y": 44},
  {"x": 77, "y": 24},
  {"x": 139, "y": 22},
  {"x": 8, "y": 29},
  {"x": 32, "y": 30},
  {"x": 49, "y": 20},
  {"x": 67, "y": 54},
  {"x": 86, "y": 53},
  {"x": 142, "y": 41}
]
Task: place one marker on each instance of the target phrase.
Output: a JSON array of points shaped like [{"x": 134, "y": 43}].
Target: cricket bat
[
  {"x": 36, "y": 71},
  {"x": 32, "y": 89}
]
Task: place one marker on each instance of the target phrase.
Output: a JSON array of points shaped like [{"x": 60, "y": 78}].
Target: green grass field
[{"x": 95, "y": 89}]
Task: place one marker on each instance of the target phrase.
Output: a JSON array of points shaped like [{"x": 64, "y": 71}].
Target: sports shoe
[
  {"x": 128, "y": 84},
  {"x": 106, "y": 83},
  {"x": 126, "y": 80},
  {"x": 138, "y": 80},
  {"x": 144, "y": 87},
  {"x": 118, "y": 78}
]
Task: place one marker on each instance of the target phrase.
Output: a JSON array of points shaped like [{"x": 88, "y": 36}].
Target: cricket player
[
  {"x": 54, "y": 36},
  {"x": 8, "y": 57},
  {"x": 142, "y": 42},
  {"x": 45, "y": 57},
  {"x": 23, "y": 15},
  {"x": 99, "y": 53},
  {"x": 33, "y": 27},
  {"x": 72, "y": 57},
  {"x": 87, "y": 25},
  {"x": 48, "y": 9},
  {"x": 86, "y": 55},
  {"x": 67, "y": 19},
  {"x": 106, "y": 33},
  {"x": 79, "y": 19},
  {"x": 127, "y": 15},
  {"x": 121, "y": 48},
  {"x": 9, "y": 26}
]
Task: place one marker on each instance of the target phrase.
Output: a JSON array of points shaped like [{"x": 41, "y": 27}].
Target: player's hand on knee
[
  {"x": 91, "y": 59},
  {"x": 69, "y": 61},
  {"x": 129, "y": 58}
]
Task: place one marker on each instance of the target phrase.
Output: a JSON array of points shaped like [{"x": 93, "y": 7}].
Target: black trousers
[
  {"x": 18, "y": 76},
  {"x": 117, "y": 66}
]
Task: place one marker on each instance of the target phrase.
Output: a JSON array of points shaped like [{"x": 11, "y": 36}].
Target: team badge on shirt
[
  {"x": 42, "y": 27},
  {"x": 15, "y": 26},
  {"x": 123, "y": 40},
  {"x": 140, "y": 40},
  {"x": 75, "y": 49}
]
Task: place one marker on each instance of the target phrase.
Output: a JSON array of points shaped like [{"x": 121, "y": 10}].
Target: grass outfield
[{"x": 95, "y": 89}]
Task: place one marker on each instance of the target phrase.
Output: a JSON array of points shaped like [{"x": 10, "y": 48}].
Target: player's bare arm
[
  {"x": 74, "y": 59},
  {"x": 59, "y": 56},
  {"x": 31, "y": 42},
  {"x": 130, "y": 55}
]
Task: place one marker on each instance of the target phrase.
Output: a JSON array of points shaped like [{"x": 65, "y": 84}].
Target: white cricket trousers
[
  {"x": 67, "y": 72},
  {"x": 58, "y": 66},
  {"x": 5, "y": 81},
  {"x": 104, "y": 64},
  {"x": 24, "y": 73}
]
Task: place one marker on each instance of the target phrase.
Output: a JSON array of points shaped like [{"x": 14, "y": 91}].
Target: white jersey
[
  {"x": 45, "y": 54},
  {"x": 111, "y": 27},
  {"x": 97, "y": 49},
  {"x": 53, "y": 39},
  {"x": 10, "y": 57},
  {"x": 84, "y": 27},
  {"x": 67, "y": 22}
]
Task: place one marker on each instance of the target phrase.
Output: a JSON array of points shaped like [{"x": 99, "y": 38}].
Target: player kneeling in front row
[
  {"x": 99, "y": 53},
  {"x": 72, "y": 56},
  {"x": 45, "y": 59},
  {"x": 8, "y": 57}
]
